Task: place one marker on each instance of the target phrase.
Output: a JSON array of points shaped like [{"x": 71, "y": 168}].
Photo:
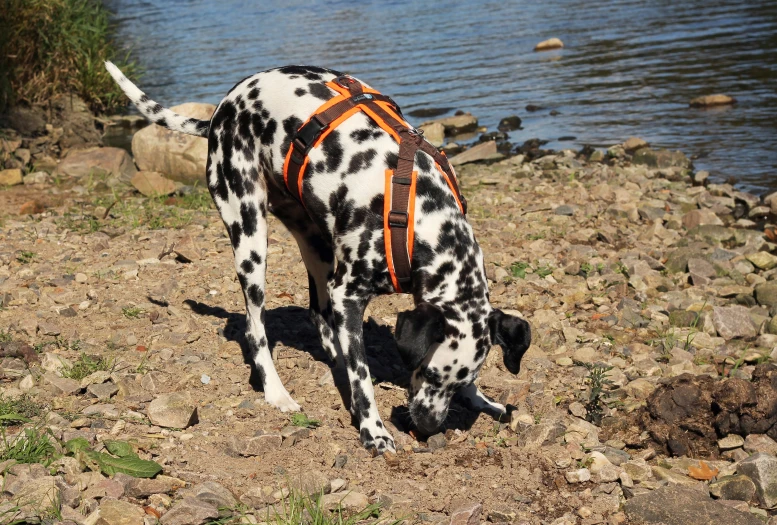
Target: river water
[{"x": 629, "y": 67}]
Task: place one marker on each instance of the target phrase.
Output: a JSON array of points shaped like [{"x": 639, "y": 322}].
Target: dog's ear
[
  {"x": 417, "y": 330},
  {"x": 512, "y": 334}
]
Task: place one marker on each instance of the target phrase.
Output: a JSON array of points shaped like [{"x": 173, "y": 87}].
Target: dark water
[{"x": 629, "y": 66}]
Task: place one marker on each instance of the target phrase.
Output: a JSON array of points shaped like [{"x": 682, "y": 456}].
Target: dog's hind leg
[{"x": 240, "y": 195}]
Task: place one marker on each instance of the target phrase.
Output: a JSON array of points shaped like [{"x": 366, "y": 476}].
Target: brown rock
[
  {"x": 467, "y": 515},
  {"x": 176, "y": 410},
  {"x": 483, "y": 151},
  {"x": 547, "y": 45},
  {"x": 151, "y": 183},
  {"x": 115, "y": 512},
  {"x": 456, "y": 124},
  {"x": 712, "y": 100},
  {"x": 98, "y": 162},
  {"x": 634, "y": 143},
  {"x": 698, "y": 217},
  {"x": 180, "y": 157},
  {"x": 10, "y": 177},
  {"x": 190, "y": 511}
]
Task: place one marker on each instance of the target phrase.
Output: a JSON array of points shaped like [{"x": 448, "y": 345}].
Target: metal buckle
[
  {"x": 398, "y": 219},
  {"x": 344, "y": 81}
]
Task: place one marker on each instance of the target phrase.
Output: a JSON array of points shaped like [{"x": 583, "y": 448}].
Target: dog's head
[{"x": 445, "y": 349}]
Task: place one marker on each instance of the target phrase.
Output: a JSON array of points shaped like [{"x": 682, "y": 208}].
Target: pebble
[{"x": 578, "y": 476}]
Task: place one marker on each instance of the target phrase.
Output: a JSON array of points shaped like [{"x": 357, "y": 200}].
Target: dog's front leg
[
  {"x": 348, "y": 315},
  {"x": 472, "y": 397}
]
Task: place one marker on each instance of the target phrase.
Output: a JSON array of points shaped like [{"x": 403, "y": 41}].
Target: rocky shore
[{"x": 649, "y": 394}]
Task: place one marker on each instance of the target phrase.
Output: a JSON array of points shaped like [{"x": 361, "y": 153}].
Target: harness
[{"x": 400, "y": 185}]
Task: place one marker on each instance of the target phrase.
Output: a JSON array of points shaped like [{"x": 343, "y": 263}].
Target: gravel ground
[{"x": 122, "y": 317}]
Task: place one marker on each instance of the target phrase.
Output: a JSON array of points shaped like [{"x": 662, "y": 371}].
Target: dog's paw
[
  {"x": 282, "y": 400},
  {"x": 378, "y": 442}
]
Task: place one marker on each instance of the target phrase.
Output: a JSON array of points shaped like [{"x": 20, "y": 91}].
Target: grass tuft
[
  {"x": 32, "y": 445},
  {"x": 52, "y": 47},
  {"x": 13, "y": 411},
  {"x": 86, "y": 365}
]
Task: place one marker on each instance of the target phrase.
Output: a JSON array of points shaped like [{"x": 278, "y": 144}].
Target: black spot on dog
[
  {"x": 391, "y": 160},
  {"x": 269, "y": 132},
  {"x": 300, "y": 92},
  {"x": 361, "y": 161},
  {"x": 253, "y": 82},
  {"x": 161, "y": 122},
  {"x": 255, "y": 295},
  {"x": 255, "y": 257},
  {"x": 248, "y": 217},
  {"x": 320, "y": 91},
  {"x": 422, "y": 161},
  {"x": 333, "y": 151},
  {"x": 235, "y": 231},
  {"x": 156, "y": 108},
  {"x": 290, "y": 127},
  {"x": 462, "y": 373},
  {"x": 253, "y": 94},
  {"x": 247, "y": 266}
]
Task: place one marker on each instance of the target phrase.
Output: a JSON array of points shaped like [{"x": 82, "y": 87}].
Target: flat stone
[
  {"x": 467, "y": 514},
  {"x": 188, "y": 249},
  {"x": 348, "y": 501},
  {"x": 701, "y": 267},
  {"x": 683, "y": 506},
  {"x": 214, "y": 494},
  {"x": 549, "y": 44},
  {"x": 738, "y": 487},
  {"x": 311, "y": 483},
  {"x": 256, "y": 445},
  {"x": 733, "y": 322},
  {"x": 762, "y": 260},
  {"x": 455, "y": 124},
  {"x": 61, "y": 385},
  {"x": 731, "y": 442},
  {"x": 632, "y": 144},
  {"x": 143, "y": 487},
  {"x": 762, "y": 469},
  {"x": 37, "y": 495},
  {"x": 190, "y": 511},
  {"x": 483, "y": 151},
  {"x": 760, "y": 443},
  {"x": 292, "y": 434},
  {"x": 115, "y": 512},
  {"x": 102, "y": 391},
  {"x": 700, "y": 217},
  {"x": 176, "y": 410},
  {"x": 10, "y": 177},
  {"x": 98, "y": 162},
  {"x": 151, "y": 183},
  {"x": 564, "y": 209},
  {"x": 712, "y": 100}
]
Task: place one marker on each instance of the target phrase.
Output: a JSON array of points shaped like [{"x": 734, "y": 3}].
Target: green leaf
[
  {"x": 14, "y": 417},
  {"x": 76, "y": 444},
  {"x": 120, "y": 448},
  {"x": 134, "y": 466}
]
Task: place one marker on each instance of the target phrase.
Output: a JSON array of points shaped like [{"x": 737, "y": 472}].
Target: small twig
[
  {"x": 108, "y": 210},
  {"x": 166, "y": 251}
]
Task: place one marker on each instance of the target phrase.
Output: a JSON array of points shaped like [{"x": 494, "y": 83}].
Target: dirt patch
[{"x": 687, "y": 414}]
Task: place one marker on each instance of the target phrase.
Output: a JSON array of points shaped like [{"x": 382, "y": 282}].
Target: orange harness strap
[{"x": 400, "y": 185}]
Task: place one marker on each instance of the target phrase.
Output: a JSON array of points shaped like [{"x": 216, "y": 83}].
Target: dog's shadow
[{"x": 291, "y": 326}]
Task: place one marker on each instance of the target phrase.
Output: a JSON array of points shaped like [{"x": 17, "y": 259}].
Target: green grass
[
  {"x": 132, "y": 312},
  {"x": 299, "y": 508},
  {"x": 86, "y": 365},
  {"x": 301, "y": 420},
  {"x": 25, "y": 257},
  {"x": 518, "y": 269},
  {"x": 53, "y": 47},
  {"x": 32, "y": 445},
  {"x": 13, "y": 411}
]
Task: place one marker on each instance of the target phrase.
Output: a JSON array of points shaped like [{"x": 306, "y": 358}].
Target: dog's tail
[{"x": 153, "y": 111}]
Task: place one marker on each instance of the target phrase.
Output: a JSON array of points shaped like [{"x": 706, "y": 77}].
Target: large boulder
[
  {"x": 179, "y": 156},
  {"x": 98, "y": 162}
]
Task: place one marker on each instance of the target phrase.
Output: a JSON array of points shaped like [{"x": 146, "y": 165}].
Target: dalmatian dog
[{"x": 339, "y": 230}]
